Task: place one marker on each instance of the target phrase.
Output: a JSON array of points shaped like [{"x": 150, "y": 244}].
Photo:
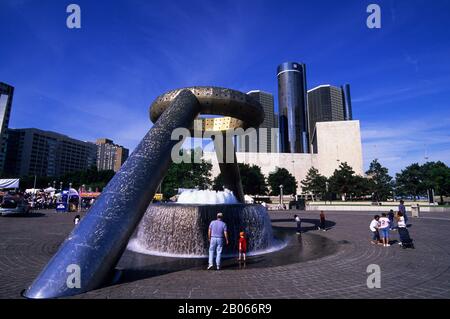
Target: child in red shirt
[{"x": 242, "y": 246}]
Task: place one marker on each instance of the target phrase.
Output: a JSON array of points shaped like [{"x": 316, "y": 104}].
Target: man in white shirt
[{"x": 374, "y": 229}]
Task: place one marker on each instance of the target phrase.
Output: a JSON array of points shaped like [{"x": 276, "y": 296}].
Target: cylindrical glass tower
[
  {"x": 347, "y": 102},
  {"x": 292, "y": 106}
]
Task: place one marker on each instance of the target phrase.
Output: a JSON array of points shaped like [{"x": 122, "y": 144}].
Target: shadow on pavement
[
  {"x": 299, "y": 248},
  {"x": 329, "y": 224},
  {"x": 22, "y": 215}
]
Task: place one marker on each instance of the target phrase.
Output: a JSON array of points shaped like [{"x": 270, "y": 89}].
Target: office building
[
  {"x": 267, "y": 133},
  {"x": 42, "y": 153},
  {"x": 292, "y": 105},
  {"x": 338, "y": 142},
  {"x": 347, "y": 102},
  {"x": 6, "y": 97},
  {"x": 109, "y": 155},
  {"x": 327, "y": 103}
]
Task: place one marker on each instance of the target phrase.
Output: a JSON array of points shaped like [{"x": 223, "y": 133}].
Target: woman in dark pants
[
  {"x": 322, "y": 221},
  {"x": 403, "y": 233}
]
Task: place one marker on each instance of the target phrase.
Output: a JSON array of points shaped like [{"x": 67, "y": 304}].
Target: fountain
[
  {"x": 181, "y": 229},
  {"x": 93, "y": 249}
]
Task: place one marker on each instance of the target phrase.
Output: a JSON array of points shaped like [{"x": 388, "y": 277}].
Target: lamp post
[
  {"x": 281, "y": 195},
  {"x": 34, "y": 191},
  {"x": 68, "y": 198},
  {"x": 326, "y": 192},
  {"x": 54, "y": 184},
  {"x": 60, "y": 186}
]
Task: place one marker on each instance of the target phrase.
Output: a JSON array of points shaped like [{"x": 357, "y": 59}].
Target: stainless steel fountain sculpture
[{"x": 95, "y": 246}]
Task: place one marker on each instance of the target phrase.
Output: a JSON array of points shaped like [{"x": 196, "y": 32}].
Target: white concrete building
[{"x": 337, "y": 142}]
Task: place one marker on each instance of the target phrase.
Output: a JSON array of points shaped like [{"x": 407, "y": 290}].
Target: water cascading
[{"x": 181, "y": 229}]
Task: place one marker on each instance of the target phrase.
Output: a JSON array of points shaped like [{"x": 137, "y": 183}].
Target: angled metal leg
[
  {"x": 226, "y": 156},
  {"x": 97, "y": 243}
]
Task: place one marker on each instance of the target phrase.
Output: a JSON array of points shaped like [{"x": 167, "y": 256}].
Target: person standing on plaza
[
  {"x": 384, "y": 229},
  {"x": 217, "y": 233},
  {"x": 299, "y": 224},
  {"x": 242, "y": 246},
  {"x": 374, "y": 229},
  {"x": 322, "y": 221},
  {"x": 391, "y": 216},
  {"x": 403, "y": 233},
  {"x": 402, "y": 209}
]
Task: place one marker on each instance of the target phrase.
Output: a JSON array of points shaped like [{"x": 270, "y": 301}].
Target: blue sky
[{"x": 98, "y": 81}]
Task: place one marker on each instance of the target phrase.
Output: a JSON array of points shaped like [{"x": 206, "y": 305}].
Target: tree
[
  {"x": 314, "y": 183},
  {"x": 186, "y": 175},
  {"x": 91, "y": 178},
  {"x": 343, "y": 181},
  {"x": 436, "y": 176},
  {"x": 281, "y": 176},
  {"x": 381, "y": 182},
  {"x": 253, "y": 180},
  {"x": 410, "y": 181},
  {"x": 362, "y": 186},
  {"x": 41, "y": 182}
]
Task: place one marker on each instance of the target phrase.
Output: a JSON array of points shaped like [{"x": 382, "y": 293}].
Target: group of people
[
  {"x": 321, "y": 225},
  {"x": 218, "y": 236},
  {"x": 41, "y": 200},
  {"x": 380, "y": 226}
]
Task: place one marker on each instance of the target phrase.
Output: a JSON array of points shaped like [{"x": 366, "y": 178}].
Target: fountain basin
[{"x": 181, "y": 230}]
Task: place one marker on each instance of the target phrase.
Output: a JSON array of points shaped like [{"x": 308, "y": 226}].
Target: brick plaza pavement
[{"x": 27, "y": 243}]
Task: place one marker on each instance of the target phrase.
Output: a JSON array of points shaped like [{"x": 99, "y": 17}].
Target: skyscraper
[
  {"x": 292, "y": 104},
  {"x": 347, "y": 102},
  {"x": 266, "y": 141},
  {"x": 109, "y": 155},
  {"x": 327, "y": 103},
  {"x": 6, "y": 97}
]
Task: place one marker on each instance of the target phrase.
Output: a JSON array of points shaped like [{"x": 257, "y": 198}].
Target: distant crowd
[
  {"x": 47, "y": 200},
  {"x": 41, "y": 200}
]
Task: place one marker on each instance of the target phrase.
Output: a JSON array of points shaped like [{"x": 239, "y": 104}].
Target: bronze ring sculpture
[{"x": 216, "y": 101}]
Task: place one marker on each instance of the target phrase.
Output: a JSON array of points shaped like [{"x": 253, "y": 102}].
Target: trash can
[{"x": 415, "y": 210}]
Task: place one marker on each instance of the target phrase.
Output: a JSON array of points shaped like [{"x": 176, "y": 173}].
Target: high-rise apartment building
[
  {"x": 267, "y": 136},
  {"x": 6, "y": 97},
  {"x": 109, "y": 155},
  {"x": 292, "y": 105},
  {"x": 42, "y": 153}
]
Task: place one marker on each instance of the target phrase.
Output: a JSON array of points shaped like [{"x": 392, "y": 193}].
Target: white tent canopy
[
  {"x": 248, "y": 199},
  {"x": 72, "y": 192},
  {"x": 9, "y": 183},
  {"x": 49, "y": 190}
]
